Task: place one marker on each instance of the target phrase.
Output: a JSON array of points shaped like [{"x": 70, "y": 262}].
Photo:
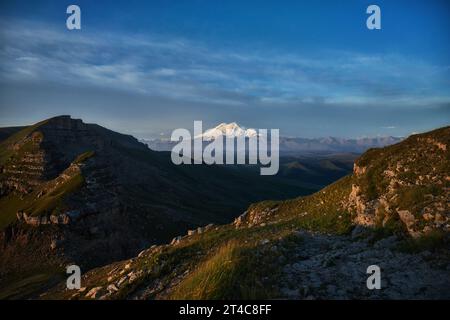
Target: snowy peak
[{"x": 228, "y": 130}]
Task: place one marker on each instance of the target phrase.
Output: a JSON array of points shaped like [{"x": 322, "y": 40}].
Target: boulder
[{"x": 175, "y": 240}]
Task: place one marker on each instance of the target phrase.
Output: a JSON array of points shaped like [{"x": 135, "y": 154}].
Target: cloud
[
  {"x": 183, "y": 69},
  {"x": 129, "y": 82}
]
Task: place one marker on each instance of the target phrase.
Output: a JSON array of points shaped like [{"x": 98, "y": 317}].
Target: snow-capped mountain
[
  {"x": 228, "y": 130},
  {"x": 288, "y": 145}
]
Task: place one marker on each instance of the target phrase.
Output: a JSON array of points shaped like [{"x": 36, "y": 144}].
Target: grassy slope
[
  {"x": 6, "y": 132},
  {"x": 5, "y": 151},
  {"x": 225, "y": 262},
  {"x": 34, "y": 205}
]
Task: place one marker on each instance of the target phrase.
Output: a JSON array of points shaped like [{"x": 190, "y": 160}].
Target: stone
[
  {"x": 143, "y": 252},
  {"x": 132, "y": 276},
  {"x": 175, "y": 240},
  {"x": 439, "y": 218},
  {"x": 54, "y": 219},
  {"x": 54, "y": 244},
  {"x": 94, "y": 293},
  {"x": 112, "y": 288},
  {"x": 122, "y": 280},
  {"x": 388, "y": 242},
  {"x": 409, "y": 220},
  {"x": 19, "y": 215}
]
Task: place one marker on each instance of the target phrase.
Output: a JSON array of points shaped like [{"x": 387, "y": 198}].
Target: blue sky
[{"x": 309, "y": 68}]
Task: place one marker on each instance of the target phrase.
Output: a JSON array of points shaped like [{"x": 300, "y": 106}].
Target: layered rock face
[
  {"x": 42, "y": 152},
  {"x": 408, "y": 183},
  {"x": 66, "y": 175},
  {"x": 27, "y": 168}
]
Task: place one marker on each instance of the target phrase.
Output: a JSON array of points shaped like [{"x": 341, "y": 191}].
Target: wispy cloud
[{"x": 186, "y": 70}]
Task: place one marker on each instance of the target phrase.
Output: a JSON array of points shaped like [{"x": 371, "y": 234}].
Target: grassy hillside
[{"x": 224, "y": 262}]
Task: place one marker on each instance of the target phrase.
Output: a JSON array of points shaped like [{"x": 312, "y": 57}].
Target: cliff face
[
  {"x": 42, "y": 152},
  {"x": 407, "y": 183},
  {"x": 63, "y": 177}
]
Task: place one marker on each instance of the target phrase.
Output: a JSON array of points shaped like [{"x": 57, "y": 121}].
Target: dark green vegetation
[{"x": 318, "y": 169}]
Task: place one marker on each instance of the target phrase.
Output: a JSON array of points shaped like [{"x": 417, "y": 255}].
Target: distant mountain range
[{"x": 288, "y": 145}]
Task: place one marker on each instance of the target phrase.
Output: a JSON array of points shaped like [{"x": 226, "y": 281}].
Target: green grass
[
  {"x": 32, "y": 205},
  {"x": 231, "y": 272},
  {"x": 84, "y": 156},
  {"x": 226, "y": 263},
  {"x": 52, "y": 200},
  {"x": 5, "y": 151},
  {"x": 414, "y": 198},
  {"x": 323, "y": 208},
  {"x": 24, "y": 287},
  {"x": 427, "y": 242},
  {"x": 9, "y": 205},
  {"x": 215, "y": 278}
]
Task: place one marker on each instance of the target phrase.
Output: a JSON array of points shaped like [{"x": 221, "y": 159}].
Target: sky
[{"x": 308, "y": 68}]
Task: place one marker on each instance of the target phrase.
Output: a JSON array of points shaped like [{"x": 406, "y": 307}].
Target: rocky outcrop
[
  {"x": 358, "y": 170},
  {"x": 254, "y": 216},
  {"x": 59, "y": 219},
  {"x": 407, "y": 182}
]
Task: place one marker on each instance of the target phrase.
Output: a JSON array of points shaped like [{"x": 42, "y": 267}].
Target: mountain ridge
[
  {"x": 311, "y": 247},
  {"x": 288, "y": 145}
]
